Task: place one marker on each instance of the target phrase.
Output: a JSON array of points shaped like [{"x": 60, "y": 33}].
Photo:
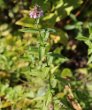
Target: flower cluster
[{"x": 36, "y": 12}]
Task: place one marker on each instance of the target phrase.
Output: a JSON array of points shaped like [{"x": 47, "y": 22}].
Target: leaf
[
  {"x": 2, "y": 4},
  {"x": 27, "y": 22},
  {"x": 60, "y": 95},
  {"x": 51, "y": 30},
  {"x": 41, "y": 53},
  {"x": 49, "y": 59},
  {"x": 29, "y": 30},
  {"x": 42, "y": 73},
  {"x": 53, "y": 82},
  {"x": 69, "y": 27},
  {"x": 90, "y": 28},
  {"x": 89, "y": 51},
  {"x": 30, "y": 94},
  {"x": 41, "y": 92},
  {"x": 66, "y": 73},
  {"x": 81, "y": 37},
  {"x": 46, "y": 36},
  {"x": 3, "y": 89},
  {"x": 90, "y": 59},
  {"x": 5, "y": 105}
]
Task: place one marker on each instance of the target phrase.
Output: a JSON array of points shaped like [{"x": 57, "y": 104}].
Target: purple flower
[{"x": 36, "y": 12}]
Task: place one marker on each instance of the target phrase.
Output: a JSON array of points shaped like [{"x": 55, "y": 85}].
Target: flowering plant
[
  {"x": 34, "y": 71},
  {"x": 43, "y": 66},
  {"x": 37, "y": 12}
]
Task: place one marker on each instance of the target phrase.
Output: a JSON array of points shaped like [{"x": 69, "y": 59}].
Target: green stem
[{"x": 37, "y": 22}]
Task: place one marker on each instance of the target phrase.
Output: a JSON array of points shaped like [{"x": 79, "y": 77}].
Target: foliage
[{"x": 33, "y": 71}]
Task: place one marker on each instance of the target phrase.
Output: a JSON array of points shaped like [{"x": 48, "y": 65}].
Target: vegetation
[{"x": 45, "y": 55}]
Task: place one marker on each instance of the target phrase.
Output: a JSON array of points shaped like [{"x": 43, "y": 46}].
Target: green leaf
[
  {"x": 70, "y": 27},
  {"x": 89, "y": 51},
  {"x": 53, "y": 82},
  {"x": 29, "y": 30},
  {"x": 81, "y": 37},
  {"x": 90, "y": 28},
  {"x": 41, "y": 92},
  {"x": 50, "y": 30},
  {"x": 66, "y": 73},
  {"x": 47, "y": 35},
  {"x": 90, "y": 59}
]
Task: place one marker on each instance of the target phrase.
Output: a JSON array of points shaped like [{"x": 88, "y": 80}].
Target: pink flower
[{"x": 36, "y": 12}]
